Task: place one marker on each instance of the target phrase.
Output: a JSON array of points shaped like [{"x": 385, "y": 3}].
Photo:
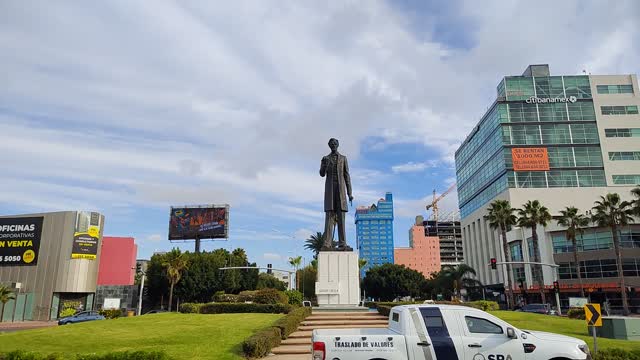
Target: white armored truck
[{"x": 444, "y": 332}]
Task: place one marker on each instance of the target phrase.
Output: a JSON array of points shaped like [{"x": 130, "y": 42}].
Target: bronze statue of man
[{"x": 337, "y": 187}]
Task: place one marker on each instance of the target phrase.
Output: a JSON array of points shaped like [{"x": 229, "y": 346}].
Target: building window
[
  {"x": 516, "y": 251},
  {"x": 595, "y": 239},
  {"x": 624, "y": 155},
  {"x": 581, "y": 111},
  {"x": 584, "y": 133},
  {"x": 619, "y": 110},
  {"x": 622, "y": 132},
  {"x": 577, "y": 86},
  {"x": 587, "y": 156},
  {"x": 591, "y": 178},
  {"x": 555, "y": 134},
  {"x": 626, "y": 179},
  {"x": 614, "y": 89}
]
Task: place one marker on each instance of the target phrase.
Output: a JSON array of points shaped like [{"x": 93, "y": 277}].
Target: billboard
[
  {"x": 530, "y": 159},
  {"x": 202, "y": 222},
  {"x": 86, "y": 235},
  {"x": 20, "y": 240}
]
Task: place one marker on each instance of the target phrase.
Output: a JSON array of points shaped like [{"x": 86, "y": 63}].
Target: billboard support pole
[{"x": 197, "y": 244}]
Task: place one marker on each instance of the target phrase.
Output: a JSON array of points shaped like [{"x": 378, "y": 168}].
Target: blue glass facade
[
  {"x": 374, "y": 231},
  {"x": 552, "y": 112}
]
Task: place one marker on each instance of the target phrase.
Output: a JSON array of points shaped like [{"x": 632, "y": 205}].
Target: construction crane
[{"x": 434, "y": 203}]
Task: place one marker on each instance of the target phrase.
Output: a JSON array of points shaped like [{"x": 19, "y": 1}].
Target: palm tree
[
  {"x": 362, "y": 263},
  {"x": 315, "y": 243},
  {"x": 175, "y": 262},
  {"x": 6, "y": 294},
  {"x": 500, "y": 216},
  {"x": 575, "y": 223},
  {"x": 531, "y": 215},
  {"x": 459, "y": 277},
  {"x": 295, "y": 263},
  {"x": 636, "y": 203},
  {"x": 611, "y": 212}
]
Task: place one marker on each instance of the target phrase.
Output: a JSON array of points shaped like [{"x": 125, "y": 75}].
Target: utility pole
[{"x": 141, "y": 294}]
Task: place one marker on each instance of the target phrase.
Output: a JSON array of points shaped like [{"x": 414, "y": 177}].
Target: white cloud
[
  {"x": 272, "y": 257},
  {"x": 413, "y": 166},
  {"x": 154, "y": 237}
]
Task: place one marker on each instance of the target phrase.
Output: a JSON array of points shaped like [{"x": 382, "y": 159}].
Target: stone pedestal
[{"x": 338, "y": 282}]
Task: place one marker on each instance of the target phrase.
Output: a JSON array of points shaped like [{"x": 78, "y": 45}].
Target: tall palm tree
[
  {"x": 362, "y": 263},
  {"x": 459, "y": 277},
  {"x": 315, "y": 243},
  {"x": 175, "y": 262},
  {"x": 295, "y": 263},
  {"x": 531, "y": 215},
  {"x": 575, "y": 223},
  {"x": 613, "y": 213},
  {"x": 500, "y": 216},
  {"x": 6, "y": 294}
]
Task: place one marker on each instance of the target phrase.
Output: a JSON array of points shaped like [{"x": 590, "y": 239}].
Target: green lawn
[
  {"x": 182, "y": 336},
  {"x": 562, "y": 325}
]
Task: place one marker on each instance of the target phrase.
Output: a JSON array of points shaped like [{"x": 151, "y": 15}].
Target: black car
[{"x": 155, "y": 312}]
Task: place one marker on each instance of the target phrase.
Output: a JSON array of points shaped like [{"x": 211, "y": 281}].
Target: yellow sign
[
  {"x": 593, "y": 315},
  {"x": 530, "y": 159},
  {"x": 94, "y": 231},
  {"x": 28, "y": 256}
]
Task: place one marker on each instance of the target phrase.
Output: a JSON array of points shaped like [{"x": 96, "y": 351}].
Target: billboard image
[
  {"x": 530, "y": 159},
  {"x": 20, "y": 240},
  {"x": 86, "y": 235},
  {"x": 202, "y": 222}
]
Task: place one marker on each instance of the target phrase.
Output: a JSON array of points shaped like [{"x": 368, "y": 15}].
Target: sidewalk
[{"x": 25, "y": 325}]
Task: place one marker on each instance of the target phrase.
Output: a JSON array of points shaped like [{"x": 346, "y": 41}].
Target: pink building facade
[
  {"x": 117, "y": 261},
  {"x": 423, "y": 253}
]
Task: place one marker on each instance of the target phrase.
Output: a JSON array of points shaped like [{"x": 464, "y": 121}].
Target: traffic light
[
  {"x": 269, "y": 271},
  {"x": 494, "y": 263},
  {"x": 556, "y": 286}
]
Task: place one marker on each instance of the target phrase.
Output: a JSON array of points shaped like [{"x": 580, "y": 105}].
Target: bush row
[
  {"x": 224, "y": 308},
  {"x": 262, "y": 296},
  {"x": 111, "y": 313},
  {"x": 121, "y": 355},
  {"x": 260, "y": 344},
  {"x": 617, "y": 354},
  {"x": 576, "y": 313},
  {"x": 385, "y": 307}
]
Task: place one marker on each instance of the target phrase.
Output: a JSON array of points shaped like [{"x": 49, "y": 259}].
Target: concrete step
[
  {"x": 301, "y": 335},
  {"x": 313, "y": 327},
  {"x": 355, "y": 323},
  {"x": 296, "y": 341},
  {"x": 346, "y": 317},
  {"x": 292, "y": 349}
]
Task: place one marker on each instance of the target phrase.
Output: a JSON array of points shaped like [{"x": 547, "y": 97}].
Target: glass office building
[
  {"x": 374, "y": 233},
  {"x": 563, "y": 140}
]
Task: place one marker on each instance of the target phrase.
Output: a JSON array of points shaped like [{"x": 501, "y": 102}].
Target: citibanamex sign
[{"x": 537, "y": 100}]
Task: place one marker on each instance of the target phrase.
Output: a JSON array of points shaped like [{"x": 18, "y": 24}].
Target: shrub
[
  {"x": 290, "y": 323},
  {"x": 190, "y": 308},
  {"x": 247, "y": 295},
  {"x": 228, "y": 298},
  {"x": 576, "y": 313},
  {"x": 295, "y": 297},
  {"x": 270, "y": 296},
  {"x": 384, "y": 309},
  {"x": 222, "y": 308},
  {"x": 484, "y": 305},
  {"x": 121, "y": 355},
  {"x": 260, "y": 344},
  {"x": 617, "y": 354},
  {"x": 111, "y": 313},
  {"x": 67, "y": 312}
]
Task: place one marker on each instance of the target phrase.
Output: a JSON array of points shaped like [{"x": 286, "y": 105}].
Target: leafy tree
[
  {"x": 390, "y": 281},
  {"x": 362, "y": 263},
  {"x": 268, "y": 281},
  {"x": 315, "y": 243},
  {"x": 531, "y": 215},
  {"x": 575, "y": 223},
  {"x": 295, "y": 262},
  {"x": 636, "y": 203},
  {"x": 6, "y": 294},
  {"x": 175, "y": 262},
  {"x": 457, "y": 278},
  {"x": 500, "y": 216},
  {"x": 308, "y": 276},
  {"x": 613, "y": 213}
]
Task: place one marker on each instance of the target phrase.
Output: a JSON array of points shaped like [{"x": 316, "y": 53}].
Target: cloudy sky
[{"x": 128, "y": 107}]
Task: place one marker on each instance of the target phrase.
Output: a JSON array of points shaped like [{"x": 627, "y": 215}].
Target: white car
[{"x": 444, "y": 332}]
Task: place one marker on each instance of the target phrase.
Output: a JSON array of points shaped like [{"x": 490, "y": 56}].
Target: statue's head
[{"x": 333, "y": 144}]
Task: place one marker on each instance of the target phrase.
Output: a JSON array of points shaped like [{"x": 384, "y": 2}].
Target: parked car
[
  {"x": 537, "y": 308},
  {"x": 444, "y": 332},
  {"x": 155, "y": 312},
  {"x": 81, "y": 317}
]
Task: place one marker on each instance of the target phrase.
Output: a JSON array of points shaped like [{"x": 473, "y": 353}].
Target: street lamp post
[{"x": 141, "y": 293}]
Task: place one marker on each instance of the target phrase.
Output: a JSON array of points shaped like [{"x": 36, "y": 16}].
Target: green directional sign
[{"x": 593, "y": 315}]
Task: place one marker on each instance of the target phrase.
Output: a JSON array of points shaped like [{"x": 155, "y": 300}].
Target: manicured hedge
[
  {"x": 120, "y": 355},
  {"x": 385, "y": 307},
  {"x": 225, "y": 308},
  {"x": 260, "y": 344},
  {"x": 576, "y": 313},
  {"x": 111, "y": 313},
  {"x": 617, "y": 354},
  {"x": 270, "y": 296}
]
